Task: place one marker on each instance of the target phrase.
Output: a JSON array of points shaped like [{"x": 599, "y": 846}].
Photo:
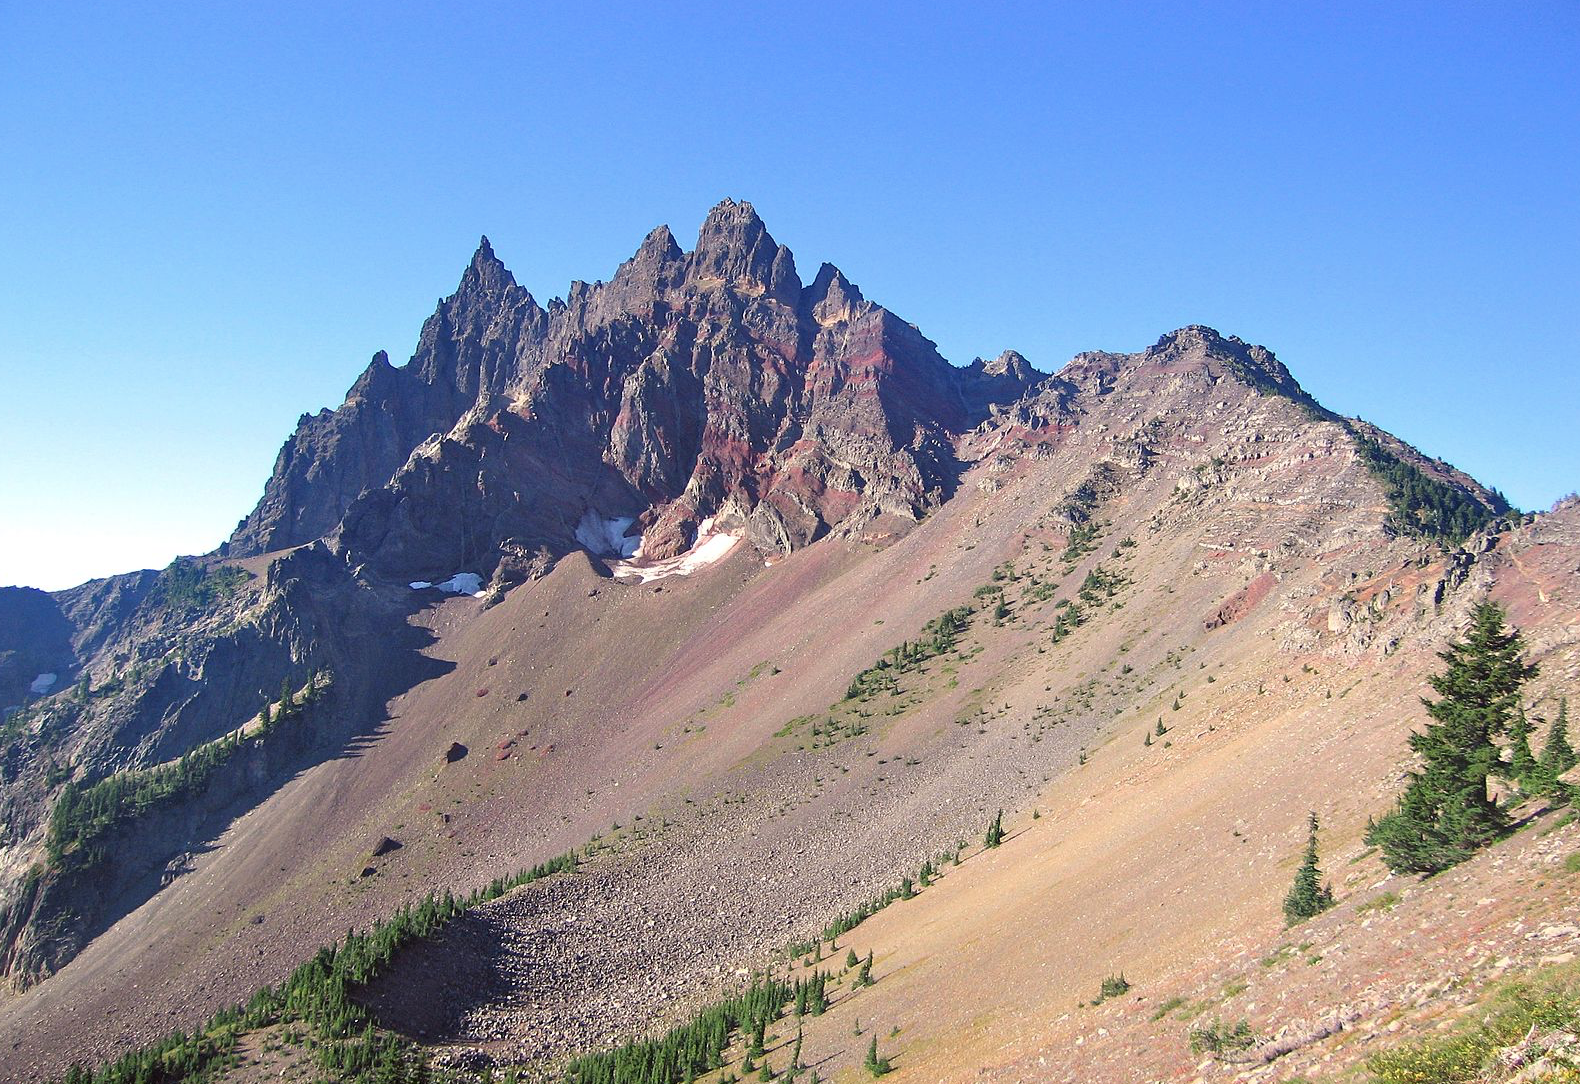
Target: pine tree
[
  {"x": 864, "y": 976},
  {"x": 265, "y": 720},
  {"x": 995, "y": 832},
  {"x": 875, "y": 1065},
  {"x": 1558, "y": 756},
  {"x": 1522, "y": 768},
  {"x": 851, "y": 959},
  {"x": 1308, "y": 896},
  {"x": 1445, "y": 813},
  {"x": 1161, "y": 730},
  {"x": 287, "y": 702}
]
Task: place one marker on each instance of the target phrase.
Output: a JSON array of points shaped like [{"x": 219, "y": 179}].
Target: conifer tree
[
  {"x": 875, "y": 1065},
  {"x": 1558, "y": 756},
  {"x": 864, "y": 976},
  {"x": 1308, "y": 896},
  {"x": 995, "y": 832},
  {"x": 1445, "y": 813},
  {"x": 1522, "y": 767},
  {"x": 851, "y": 959}
]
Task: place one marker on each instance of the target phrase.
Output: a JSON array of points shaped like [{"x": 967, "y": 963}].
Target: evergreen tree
[
  {"x": 1558, "y": 756},
  {"x": 1308, "y": 896},
  {"x": 995, "y": 832},
  {"x": 265, "y": 719},
  {"x": 1161, "y": 730},
  {"x": 851, "y": 959},
  {"x": 1522, "y": 768},
  {"x": 875, "y": 1065},
  {"x": 864, "y": 976},
  {"x": 1445, "y": 813},
  {"x": 287, "y": 701}
]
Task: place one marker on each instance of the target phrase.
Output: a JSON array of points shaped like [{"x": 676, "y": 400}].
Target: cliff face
[{"x": 692, "y": 385}]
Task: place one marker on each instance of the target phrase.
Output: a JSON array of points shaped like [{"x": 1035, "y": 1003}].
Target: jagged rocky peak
[
  {"x": 1010, "y": 363},
  {"x": 832, "y": 297},
  {"x": 735, "y": 248},
  {"x": 486, "y": 272}
]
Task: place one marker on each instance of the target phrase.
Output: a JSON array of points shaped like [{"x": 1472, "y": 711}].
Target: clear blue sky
[{"x": 213, "y": 214}]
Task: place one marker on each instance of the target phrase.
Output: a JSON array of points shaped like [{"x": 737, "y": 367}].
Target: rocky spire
[
  {"x": 831, "y": 297},
  {"x": 486, "y": 273},
  {"x": 734, "y": 247}
]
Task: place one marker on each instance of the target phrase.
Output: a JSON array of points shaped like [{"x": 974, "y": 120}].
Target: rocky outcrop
[{"x": 692, "y": 385}]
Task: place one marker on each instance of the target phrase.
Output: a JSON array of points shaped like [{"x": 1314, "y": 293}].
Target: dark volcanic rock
[{"x": 691, "y": 385}]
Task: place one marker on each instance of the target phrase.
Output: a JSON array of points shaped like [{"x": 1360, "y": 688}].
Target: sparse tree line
[
  {"x": 1422, "y": 505},
  {"x": 702, "y": 1044},
  {"x": 319, "y": 995},
  {"x": 83, "y": 816},
  {"x": 938, "y": 637}
]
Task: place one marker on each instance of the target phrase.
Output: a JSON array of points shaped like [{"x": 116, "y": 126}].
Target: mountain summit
[{"x": 680, "y": 624}]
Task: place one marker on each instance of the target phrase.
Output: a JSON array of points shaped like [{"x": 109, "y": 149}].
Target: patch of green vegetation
[
  {"x": 1112, "y": 986},
  {"x": 1384, "y": 903},
  {"x": 1082, "y": 540},
  {"x": 1529, "y": 1008},
  {"x": 938, "y": 637},
  {"x": 84, "y": 816},
  {"x": 187, "y": 585},
  {"x": 1422, "y": 505},
  {"x": 1221, "y": 1038},
  {"x": 699, "y": 1045},
  {"x": 319, "y": 996},
  {"x": 1167, "y": 1007}
]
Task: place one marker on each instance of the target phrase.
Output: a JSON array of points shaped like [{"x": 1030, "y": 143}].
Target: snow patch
[
  {"x": 43, "y": 684},
  {"x": 605, "y": 535},
  {"x": 462, "y": 583},
  {"x": 706, "y": 550}
]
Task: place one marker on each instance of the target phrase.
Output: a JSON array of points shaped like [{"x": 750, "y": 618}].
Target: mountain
[
  {"x": 735, "y": 587},
  {"x": 709, "y": 384}
]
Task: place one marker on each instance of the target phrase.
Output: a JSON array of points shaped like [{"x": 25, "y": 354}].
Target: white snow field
[{"x": 708, "y": 549}]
